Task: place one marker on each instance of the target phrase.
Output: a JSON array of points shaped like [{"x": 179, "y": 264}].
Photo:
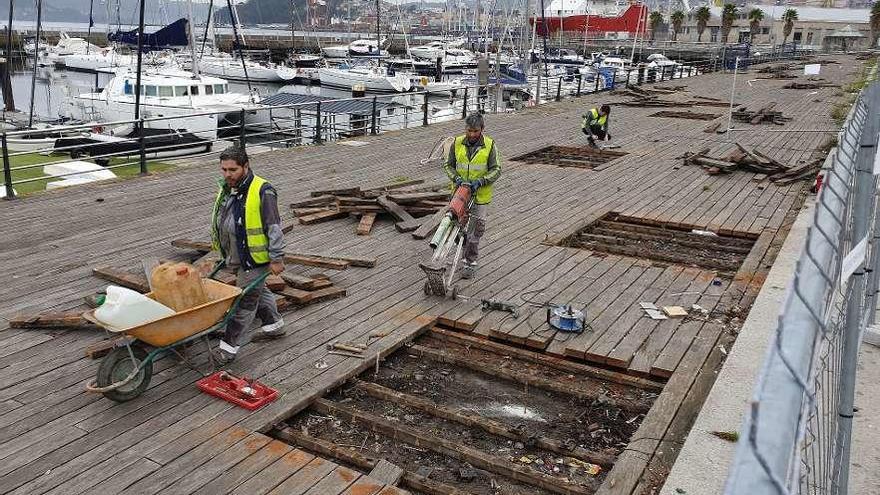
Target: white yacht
[
  {"x": 430, "y": 51},
  {"x": 458, "y": 59},
  {"x": 230, "y": 67},
  {"x": 95, "y": 60},
  {"x": 660, "y": 60},
  {"x": 164, "y": 93},
  {"x": 335, "y": 51},
  {"x": 54, "y": 55},
  {"x": 374, "y": 79}
]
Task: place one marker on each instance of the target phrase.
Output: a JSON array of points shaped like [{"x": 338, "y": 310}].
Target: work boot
[
  {"x": 270, "y": 331},
  {"x": 223, "y": 358},
  {"x": 225, "y": 354},
  {"x": 468, "y": 269}
]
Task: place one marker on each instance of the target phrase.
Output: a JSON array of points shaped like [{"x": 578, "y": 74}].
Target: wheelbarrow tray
[{"x": 179, "y": 326}]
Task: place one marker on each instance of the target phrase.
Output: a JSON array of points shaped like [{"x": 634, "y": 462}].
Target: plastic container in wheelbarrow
[{"x": 174, "y": 328}]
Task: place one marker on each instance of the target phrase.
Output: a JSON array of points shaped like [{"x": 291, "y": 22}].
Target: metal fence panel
[{"x": 796, "y": 435}]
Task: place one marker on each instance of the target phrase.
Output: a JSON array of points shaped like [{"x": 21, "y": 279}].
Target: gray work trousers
[
  {"x": 476, "y": 230},
  {"x": 258, "y": 303}
]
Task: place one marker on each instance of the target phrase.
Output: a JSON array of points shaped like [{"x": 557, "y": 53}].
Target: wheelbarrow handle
[{"x": 217, "y": 267}]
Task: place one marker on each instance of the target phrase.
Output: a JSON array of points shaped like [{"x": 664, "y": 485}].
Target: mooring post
[{"x": 7, "y": 169}]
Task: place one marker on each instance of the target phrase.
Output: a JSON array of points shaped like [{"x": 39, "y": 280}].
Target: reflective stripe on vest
[
  {"x": 474, "y": 168},
  {"x": 257, "y": 241}
]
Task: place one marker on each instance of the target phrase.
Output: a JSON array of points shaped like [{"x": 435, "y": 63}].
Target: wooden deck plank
[{"x": 173, "y": 426}]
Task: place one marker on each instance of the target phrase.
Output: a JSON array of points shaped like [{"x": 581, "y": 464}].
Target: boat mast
[
  {"x": 236, "y": 42},
  {"x": 140, "y": 59},
  {"x": 378, "y": 37},
  {"x": 192, "y": 39},
  {"x": 36, "y": 56},
  {"x": 207, "y": 27},
  {"x": 8, "y": 101},
  {"x": 91, "y": 23},
  {"x": 544, "y": 31}
]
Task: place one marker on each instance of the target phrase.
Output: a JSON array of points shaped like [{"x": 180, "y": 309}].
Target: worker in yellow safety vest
[
  {"x": 595, "y": 124},
  {"x": 473, "y": 160},
  {"x": 246, "y": 230}
]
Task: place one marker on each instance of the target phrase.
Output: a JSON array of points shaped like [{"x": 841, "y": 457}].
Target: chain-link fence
[{"x": 796, "y": 436}]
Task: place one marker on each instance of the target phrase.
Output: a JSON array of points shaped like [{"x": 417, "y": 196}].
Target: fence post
[
  {"x": 464, "y": 104},
  {"x": 317, "y": 139},
  {"x": 143, "y": 147},
  {"x": 662, "y": 73},
  {"x": 374, "y": 130},
  {"x": 242, "y": 131},
  {"x": 425, "y": 110},
  {"x": 580, "y": 80},
  {"x": 7, "y": 168},
  {"x": 628, "y": 76},
  {"x": 596, "y": 77},
  {"x": 559, "y": 89},
  {"x": 863, "y": 201}
]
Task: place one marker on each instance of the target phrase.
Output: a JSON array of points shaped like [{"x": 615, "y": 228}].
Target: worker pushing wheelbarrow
[
  {"x": 246, "y": 231},
  {"x": 126, "y": 371},
  {"x": 472, "y": 165}
]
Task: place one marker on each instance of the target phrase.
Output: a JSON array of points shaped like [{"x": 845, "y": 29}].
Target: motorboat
[
  {"x": 660, "y": 60},
  {"x": 55, "y": 54},
  {"x": 158, "y": 143},
  {"x": 374, "y": 79},
  {"x": 430, "y": 51},
  {"x": 201, "y": 105},
  {"x": 41, "y": 138},
  {"x": 335, "y": 51},
  {"x": 366, "y": 48},
  {"x": 458, "y": 59}
]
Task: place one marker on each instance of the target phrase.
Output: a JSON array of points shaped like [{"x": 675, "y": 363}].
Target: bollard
[
  {"x": 7, "y": 169},
  {"x": 374, "y": 130},
  {"x": 559, "y": 89},
  {"x": 242, "y": 132},
  {"x": 143, "y": 147},
  {"x": 425, "y": 110},
  {"x": 580, "y": 80},
  {"x": 317, "y": 139},
  {"x": 464, "y": 104}
]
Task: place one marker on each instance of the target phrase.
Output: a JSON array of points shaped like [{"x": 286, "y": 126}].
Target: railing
[
  {"x": 312, "y": 123},
  {"x": 797, "y": 436}
]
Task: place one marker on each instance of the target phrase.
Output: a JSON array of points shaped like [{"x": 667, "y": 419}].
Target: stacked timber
[
  {"x": 409, "y": 206},
  {"x": 753, "y": 161},
  {"x": 765, "y": 114}
]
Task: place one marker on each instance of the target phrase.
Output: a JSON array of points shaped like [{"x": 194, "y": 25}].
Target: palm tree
[
  {"x": 788, "y": 18},
  {"x": 755, "y": 18},
  {"x": 703, "y": 15},
  {"x": 677, "y": 19},
  {"x": 728, "y": 15},
  {"x": 654, "y": 21},
  {"x": 875, "y": 23}
]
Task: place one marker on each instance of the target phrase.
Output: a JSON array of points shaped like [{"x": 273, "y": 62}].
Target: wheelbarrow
[{"x": 126, "y": 371}]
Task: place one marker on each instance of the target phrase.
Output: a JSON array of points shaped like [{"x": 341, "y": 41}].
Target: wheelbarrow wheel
[{"x": 116, "y": 366}]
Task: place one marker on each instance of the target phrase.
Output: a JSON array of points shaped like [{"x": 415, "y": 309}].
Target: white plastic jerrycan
[{"x": 124, "y": 308}]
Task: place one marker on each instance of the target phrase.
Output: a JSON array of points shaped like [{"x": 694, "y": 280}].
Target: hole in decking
[
  {"x": 663, "y": 242},
  {"x": 570, "y": 156},
  {"x": 685, "y": 115},
  {"x": 457, "y": 414}
]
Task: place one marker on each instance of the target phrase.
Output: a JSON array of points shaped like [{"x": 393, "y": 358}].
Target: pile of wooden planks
[
  {"x": 753, "y": 161},
  {"x": 408, "y": 205},
  {"x": 765, "y": 114},
  {"x": 291, "y": 289}
]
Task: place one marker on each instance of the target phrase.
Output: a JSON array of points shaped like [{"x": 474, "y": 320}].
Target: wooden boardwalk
[{"x": 54, "y": 437}]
